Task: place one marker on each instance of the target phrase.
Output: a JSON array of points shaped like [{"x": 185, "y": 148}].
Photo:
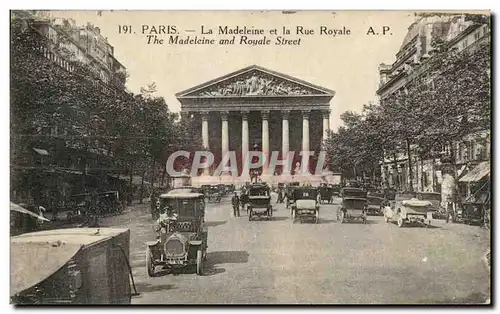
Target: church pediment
[{"x": 255, "y": 81}]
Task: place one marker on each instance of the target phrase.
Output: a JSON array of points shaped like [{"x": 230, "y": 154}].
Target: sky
[{"x": 347, "y": 64}]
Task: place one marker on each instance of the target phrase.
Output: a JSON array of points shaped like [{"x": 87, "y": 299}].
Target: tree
[
  {"x": 50, "y": 91},
  {"x": 356, "y": 146}
]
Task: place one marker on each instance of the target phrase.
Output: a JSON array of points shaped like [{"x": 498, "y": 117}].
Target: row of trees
[
  {"x": 447, "y": 98},
  {"x": 136, "y": 131}
]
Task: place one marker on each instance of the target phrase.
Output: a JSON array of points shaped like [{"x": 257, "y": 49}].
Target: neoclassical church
[{"x": 259, "y": 109}]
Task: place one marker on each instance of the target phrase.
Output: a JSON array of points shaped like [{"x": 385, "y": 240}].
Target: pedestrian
[
  {"x": 94, "y": 210},
  {"x": 280, "y": 196},
  {"x": 235, "y": 201}
]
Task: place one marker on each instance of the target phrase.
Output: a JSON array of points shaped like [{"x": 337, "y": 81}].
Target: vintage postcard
[{"x": 250, "y": 157}]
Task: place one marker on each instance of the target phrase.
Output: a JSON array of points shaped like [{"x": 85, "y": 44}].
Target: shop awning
[
  {"x": 22, "y": 210},
  {"x": 476, "y": 174}
]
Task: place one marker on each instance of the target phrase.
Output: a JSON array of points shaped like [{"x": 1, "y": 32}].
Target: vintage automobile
[
  {"x": 370, "y": 189},
  {"x": 326, "y": 193},
  {"x": 181, "y": 237},
  {"x": 230, "y": 188},
  {"x": 214, "y": 194},
  {"x": 306, "y": 205},
  {"x": 206, "y": 189},
  {"x": 477, "y": 208},
  {"x": 389, "y": 194},
  {"x": 289, "y": 192},
  {"x": 222, "y": 189},
  {"x": 79, "y": 205},
  {"x": 409, "y": 212},
  {"x": 71, "y": 266},
  {"x": 398, "y": 199},
  {"x": 336, "y": 189},
  {"x": 354, "y": 184},
  {"x": 353, "y": 205},
  {"x": 375, "y": 203},
  {"x": 473, "y": 213},
  {"x": 109, "y": 203},
  {"x": 259, "y": 201},
  {"x": 435, "y": 199},
  {"x": 186, "y": 189}
]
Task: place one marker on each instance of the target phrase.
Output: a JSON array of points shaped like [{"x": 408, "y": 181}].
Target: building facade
[
  {"x": 457, "y": 32},
  {"x": 55, "y": 169},
  {"x": 259, "y": 109}
]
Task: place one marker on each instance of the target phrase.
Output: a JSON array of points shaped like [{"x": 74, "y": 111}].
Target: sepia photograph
[{"x": 267, "y": 157}]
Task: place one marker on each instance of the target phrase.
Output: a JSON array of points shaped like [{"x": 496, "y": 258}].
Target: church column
[
  {"x": 326, "y": 123},
  {"x": 285, "y": 138},
  {"x": 244, "y": 140},
  {"x": 305, "y": 140},
  {"x": 225, "y": 133},
  {"x": 265, "y": 140},
  {"x": 204, "y": 134}
]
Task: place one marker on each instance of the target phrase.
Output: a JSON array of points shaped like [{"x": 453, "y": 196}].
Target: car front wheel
[{"x": 150, "y": 267}]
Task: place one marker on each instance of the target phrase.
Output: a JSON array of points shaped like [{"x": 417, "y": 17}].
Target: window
[
  {"x": 425, "y": 179},
  {"x": 472, "y": 148},
  {"x": 465, "y": 43},
  {"x": 477, "y": 34}
]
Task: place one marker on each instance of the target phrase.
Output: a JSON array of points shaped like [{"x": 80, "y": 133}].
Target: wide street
[{"x": 277, "y": 262}]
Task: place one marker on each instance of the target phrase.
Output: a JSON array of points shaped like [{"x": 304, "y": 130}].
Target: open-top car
[
  {"x": 259, "y": 201},
  {"x": 397, "y": 201},
  {"x": 181, "y": 237},
  {"x": 409, "y": 212},
  {"x": 306, "y": 205},
  {"x": 353, "y": 205},
  {"x": 375, "y": 203}
]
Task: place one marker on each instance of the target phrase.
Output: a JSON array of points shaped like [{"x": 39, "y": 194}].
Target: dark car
[
  {"x": 181, "y": 237},
  {"x": 435, "y": 199},
  {"x": 353, "y": 205},
  {"x": 326, "y": 193},
  {"x": 375, "y": 203},
  {"x": 306, "y": 205},
  {"x": 259, "y": 201}
]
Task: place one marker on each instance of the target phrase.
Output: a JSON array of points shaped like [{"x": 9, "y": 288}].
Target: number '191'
[{"x": 124, "y": 29}]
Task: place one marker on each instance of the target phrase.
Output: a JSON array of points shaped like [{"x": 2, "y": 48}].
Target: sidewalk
[{"x": 62, "y": 221}]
